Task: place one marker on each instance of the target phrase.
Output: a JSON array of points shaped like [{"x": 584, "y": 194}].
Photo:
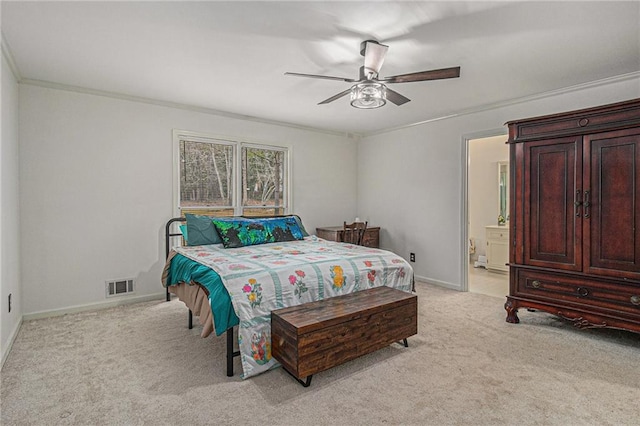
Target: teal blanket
[{"x": 183, "y": 269}]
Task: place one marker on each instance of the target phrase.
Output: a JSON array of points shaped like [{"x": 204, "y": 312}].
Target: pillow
[
  {"x": 201, "y": 231},
  {"x": 247, "y": 232},
  {"x": 300, "y": 225},
  {"x": 295, "y": 216},
  {"x": 184, "y": 232}
]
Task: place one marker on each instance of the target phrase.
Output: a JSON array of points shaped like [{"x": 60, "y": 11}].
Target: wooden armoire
[{"x": 575, "y": 216}]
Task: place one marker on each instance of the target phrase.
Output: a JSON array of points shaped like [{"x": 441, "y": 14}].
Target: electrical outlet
[
  {"x": 9, "y": 302},
  {"x": 412, "y": 257}
]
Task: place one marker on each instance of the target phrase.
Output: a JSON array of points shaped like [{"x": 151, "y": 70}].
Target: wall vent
[{"x": 119, "y": 287}]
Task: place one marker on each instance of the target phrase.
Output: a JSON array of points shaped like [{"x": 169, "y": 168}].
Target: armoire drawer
[
  {"x": 579, "y": 290},
  {"x": 580, "y": 122}
]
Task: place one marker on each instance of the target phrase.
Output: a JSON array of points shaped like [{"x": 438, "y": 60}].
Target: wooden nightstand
[{"x": 334, "y": 233}]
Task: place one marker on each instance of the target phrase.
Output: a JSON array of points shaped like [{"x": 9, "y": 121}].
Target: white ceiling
[{"x": 232, "y": 56}]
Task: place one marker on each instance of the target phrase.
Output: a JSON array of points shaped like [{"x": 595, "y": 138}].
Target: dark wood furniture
[
  {"x": 316, "y": 336},
  {"x": 353, "y": 233},
  {"x": 575, "y": 216},
  {"x": 371, "y": 236}
]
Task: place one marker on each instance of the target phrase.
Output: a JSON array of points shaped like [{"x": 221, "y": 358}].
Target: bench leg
[
  {"x": 406, "y": 344},
  {"x": 190, "y": 319},
  {"x": 305, "y": 383}
]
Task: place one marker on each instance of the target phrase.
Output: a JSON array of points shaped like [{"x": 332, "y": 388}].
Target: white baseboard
[
  {"x": 438, "y": 283},
  {"x": 94, "y": 306},
  {"x": 433, "y": 280},
  {"x": 12, "y": 338}
]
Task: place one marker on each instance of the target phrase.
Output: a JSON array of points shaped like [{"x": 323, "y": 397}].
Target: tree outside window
[
  {"x": 209, "y": 175},
  {"x": 263, "y": 182}
]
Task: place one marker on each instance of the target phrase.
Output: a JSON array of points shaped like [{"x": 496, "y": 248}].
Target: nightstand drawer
[{"x": 493, "y": 234}]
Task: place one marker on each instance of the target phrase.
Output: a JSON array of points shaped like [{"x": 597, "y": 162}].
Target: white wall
[
  {"x": 96, "y": 179},
  {"x": 410, "y": 180},
  {"x": 9, "y": 219},
  {"x": 484, "y": 155},
  {"x": 96, "y": 189}
]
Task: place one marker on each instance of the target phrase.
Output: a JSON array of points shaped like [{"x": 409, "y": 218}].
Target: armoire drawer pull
[
  {"x": 583, "y": 291},
  {"x": 635, "y": 300},
  {"x": 535, "y": 284}
]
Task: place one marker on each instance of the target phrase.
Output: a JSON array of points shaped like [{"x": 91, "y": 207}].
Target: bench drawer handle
[
  {"x": 635, "y": 300},
  {"x": 535, "y": 284},
  {"x": 583, "y": 291}
]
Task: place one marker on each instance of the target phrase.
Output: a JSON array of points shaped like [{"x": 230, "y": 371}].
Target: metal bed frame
[
  {"x": 230, "y": 352},
  {"x": 168, "y": 234}
]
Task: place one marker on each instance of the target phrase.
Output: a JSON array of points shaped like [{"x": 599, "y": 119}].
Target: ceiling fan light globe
[{"x": 368, "y": 95}]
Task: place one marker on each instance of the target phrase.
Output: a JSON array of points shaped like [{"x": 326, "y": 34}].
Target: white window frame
[
  {"x": 286, "y": 171},
  {"x": 237, "y": 144}
]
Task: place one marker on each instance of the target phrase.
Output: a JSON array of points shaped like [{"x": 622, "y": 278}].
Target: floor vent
[{"x": 119, "y": 287}]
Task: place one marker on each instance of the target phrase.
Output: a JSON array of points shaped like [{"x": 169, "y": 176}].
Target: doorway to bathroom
[{"x": 487, "y": 215}]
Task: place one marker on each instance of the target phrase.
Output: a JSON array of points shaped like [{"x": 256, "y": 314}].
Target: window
[
  {"x": 263, "y": 174},
  {"x": 210, "y": 170},
  {"x": 206, "y": 177}
]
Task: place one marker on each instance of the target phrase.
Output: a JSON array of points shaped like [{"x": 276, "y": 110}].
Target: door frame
[{"x": 464, "y": 208}]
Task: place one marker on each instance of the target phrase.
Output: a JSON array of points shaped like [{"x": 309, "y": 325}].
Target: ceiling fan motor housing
[{"x": 363, "y": 46}]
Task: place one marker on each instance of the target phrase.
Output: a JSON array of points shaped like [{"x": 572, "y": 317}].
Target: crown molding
[
  {"x": 8, "y": 56},
  {"x": 350, "y": 135},
  {"x": 514, "y": 101},
  {"x": 157, "y": 102}
]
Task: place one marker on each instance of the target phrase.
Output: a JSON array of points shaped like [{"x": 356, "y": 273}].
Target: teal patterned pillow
[
  {"x": 200, "y": 230},
  {"x": 247, "y": 232},
  {"x": 301, "y": 226}
]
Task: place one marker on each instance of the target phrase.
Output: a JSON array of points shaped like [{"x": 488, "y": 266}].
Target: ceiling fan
[{"x": 370, "y": 91}]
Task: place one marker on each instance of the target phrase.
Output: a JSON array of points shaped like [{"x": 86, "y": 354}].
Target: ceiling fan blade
[
  {"x": 325, "y": 77},
  {"x": 374, "y": 54},
  {"x": 396, "y": 97},
  {"x": 334, "y": 97},
  {"x": 424, "y": 75}
]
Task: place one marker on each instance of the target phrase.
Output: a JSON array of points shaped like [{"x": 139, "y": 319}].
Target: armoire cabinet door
[
  {"x": 552, "y": 197},
  {"x": 612, "y": 185}
]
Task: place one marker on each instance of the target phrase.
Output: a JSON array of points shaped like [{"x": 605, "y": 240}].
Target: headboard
[{"x": 168, "y": 234}]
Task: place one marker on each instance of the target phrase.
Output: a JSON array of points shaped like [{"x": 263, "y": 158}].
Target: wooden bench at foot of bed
[{"x": 313, "y": 337}]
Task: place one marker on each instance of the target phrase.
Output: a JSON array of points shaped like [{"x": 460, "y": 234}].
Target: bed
[{"x": 232, "y": 272}]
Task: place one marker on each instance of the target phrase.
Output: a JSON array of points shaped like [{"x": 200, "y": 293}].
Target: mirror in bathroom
[{"x": 503, "y": 192}]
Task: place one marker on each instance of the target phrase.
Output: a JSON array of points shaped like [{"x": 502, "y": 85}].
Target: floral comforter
[{"x": 265, "y": 277}]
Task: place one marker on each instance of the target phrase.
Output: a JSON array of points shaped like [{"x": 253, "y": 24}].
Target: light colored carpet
[{"x": 139, "y": 364}]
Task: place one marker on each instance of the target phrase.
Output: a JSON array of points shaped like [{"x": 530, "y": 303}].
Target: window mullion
[{"x": 238, "y": 180}]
